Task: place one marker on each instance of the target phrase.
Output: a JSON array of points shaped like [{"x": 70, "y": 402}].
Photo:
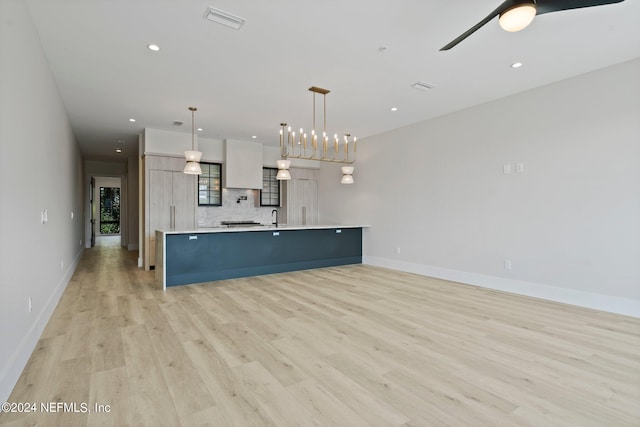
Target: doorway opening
[{"x": 109, "y": 211}]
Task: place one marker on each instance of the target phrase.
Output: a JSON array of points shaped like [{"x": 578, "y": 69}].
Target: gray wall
[
  {"x": 569, "y": 223},
  {"x": 40, "y": 168}
]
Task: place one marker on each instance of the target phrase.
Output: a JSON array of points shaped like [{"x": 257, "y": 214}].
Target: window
[
  {"x": 270, "y": 193},
  {"x": 210, "y": 185}
]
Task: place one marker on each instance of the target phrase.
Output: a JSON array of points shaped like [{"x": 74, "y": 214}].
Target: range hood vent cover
[{"x": 224, "y": 18}]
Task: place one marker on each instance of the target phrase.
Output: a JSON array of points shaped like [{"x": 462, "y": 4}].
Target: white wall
[
  {"x": 36, "y": 260},
  {"x": 570, "y": 222}
]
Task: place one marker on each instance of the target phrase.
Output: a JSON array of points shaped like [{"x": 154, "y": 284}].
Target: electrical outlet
[
  {"x": 61, "y": 265},
  {"x": 398, "y": 250},
  {"x": 519, "y": 167},
  {"x": 30, "y": 306},
  {"x": 507, "y": 264}
]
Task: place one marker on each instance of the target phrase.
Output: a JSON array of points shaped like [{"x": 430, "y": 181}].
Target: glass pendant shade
[
  {"x": 283, "y": 174},
  {"x": 283, "y": 169},
  {"x": 518, "y": 17},
  {"x": 193, "y": 156},
  {"x": 192, "y": 168},
  {"x": 347, "y": 175}
]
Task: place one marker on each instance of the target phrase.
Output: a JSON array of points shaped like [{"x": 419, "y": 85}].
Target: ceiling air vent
[
  {"x": 177, "y": 123},
  {"x": 422, "y": 86},
  {"x": 224, "y": 18}
]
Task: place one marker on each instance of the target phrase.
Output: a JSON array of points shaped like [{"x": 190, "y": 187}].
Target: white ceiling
[{"x": 246, "y": 82}]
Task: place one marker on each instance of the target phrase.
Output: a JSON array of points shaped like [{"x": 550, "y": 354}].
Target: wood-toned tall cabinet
[
  {"x": 300, "y": 197},
  {"x": 170, "y": 200}
]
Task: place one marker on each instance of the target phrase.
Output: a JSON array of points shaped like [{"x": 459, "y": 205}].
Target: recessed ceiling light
[
  {"x": 224, "y": 18},
  {"x": 153, "y": 47},
  {"x": 132, "y": 120},
  {"x": 118, "y": 150},
  {"x": 200, "y": 129},
  {"x": 394, "y": 108},
  {"x": 516, "y": 65},
  {"x": 254, "y": 137}
]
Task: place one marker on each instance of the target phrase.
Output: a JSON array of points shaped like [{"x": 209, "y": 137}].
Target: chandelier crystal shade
[
  {"x": 315, "y": 145},
  {"x": 193, "y": 157}
]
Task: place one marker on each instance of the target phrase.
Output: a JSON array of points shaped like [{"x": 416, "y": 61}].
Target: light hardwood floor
[{"x": 347, "y": 346}]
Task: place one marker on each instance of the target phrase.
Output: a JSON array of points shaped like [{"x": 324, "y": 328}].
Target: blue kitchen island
[{"x": 206, "y": 255}]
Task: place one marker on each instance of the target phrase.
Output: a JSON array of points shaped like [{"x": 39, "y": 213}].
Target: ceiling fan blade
[
  {"x": 497, "y": 11},
  {"x": 546, "y": 6},
  {"x": 542, "y": 6}
]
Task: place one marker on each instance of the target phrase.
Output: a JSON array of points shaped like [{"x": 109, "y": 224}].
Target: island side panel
[
  {"x": 160, "y": 271},
  {"x": 204, "y": 257}
]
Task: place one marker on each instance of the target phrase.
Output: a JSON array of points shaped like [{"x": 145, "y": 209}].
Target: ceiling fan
[{"x": 516, "y": 15}]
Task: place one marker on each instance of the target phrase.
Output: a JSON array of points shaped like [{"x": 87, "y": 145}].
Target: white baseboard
[
  {"x": 11, "y": 372},
  {"x": 626, "y": 306}
]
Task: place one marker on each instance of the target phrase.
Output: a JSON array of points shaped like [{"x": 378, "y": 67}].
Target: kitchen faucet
[{"x": 275, "y": 211}]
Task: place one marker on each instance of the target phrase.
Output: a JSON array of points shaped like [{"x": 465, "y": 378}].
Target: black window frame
[
  {"x": 209, "y": 190},
  {"x": 270, "y": 179}
]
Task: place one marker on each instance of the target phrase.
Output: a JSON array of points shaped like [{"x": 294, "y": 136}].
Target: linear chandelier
[{"x": 314, "y": 146}]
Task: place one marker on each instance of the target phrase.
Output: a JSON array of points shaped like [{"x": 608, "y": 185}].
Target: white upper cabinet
[{"x": 242, "y": 165}]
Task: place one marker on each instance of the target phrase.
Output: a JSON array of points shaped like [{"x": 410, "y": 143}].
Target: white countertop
[{"x": 283, "y": 227}]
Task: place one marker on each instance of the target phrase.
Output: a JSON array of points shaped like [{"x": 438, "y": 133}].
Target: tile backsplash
[{"x": 235, "y": 208}]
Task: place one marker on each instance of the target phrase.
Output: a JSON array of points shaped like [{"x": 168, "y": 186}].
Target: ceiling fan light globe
[{"x": 518, "y": 17}]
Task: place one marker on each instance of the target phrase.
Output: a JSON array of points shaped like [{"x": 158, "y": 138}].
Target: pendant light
[
  {"x": 347, "y": 175},
  {"x": 283, "y": 169},
  {"x": 193, "y": 157}
]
